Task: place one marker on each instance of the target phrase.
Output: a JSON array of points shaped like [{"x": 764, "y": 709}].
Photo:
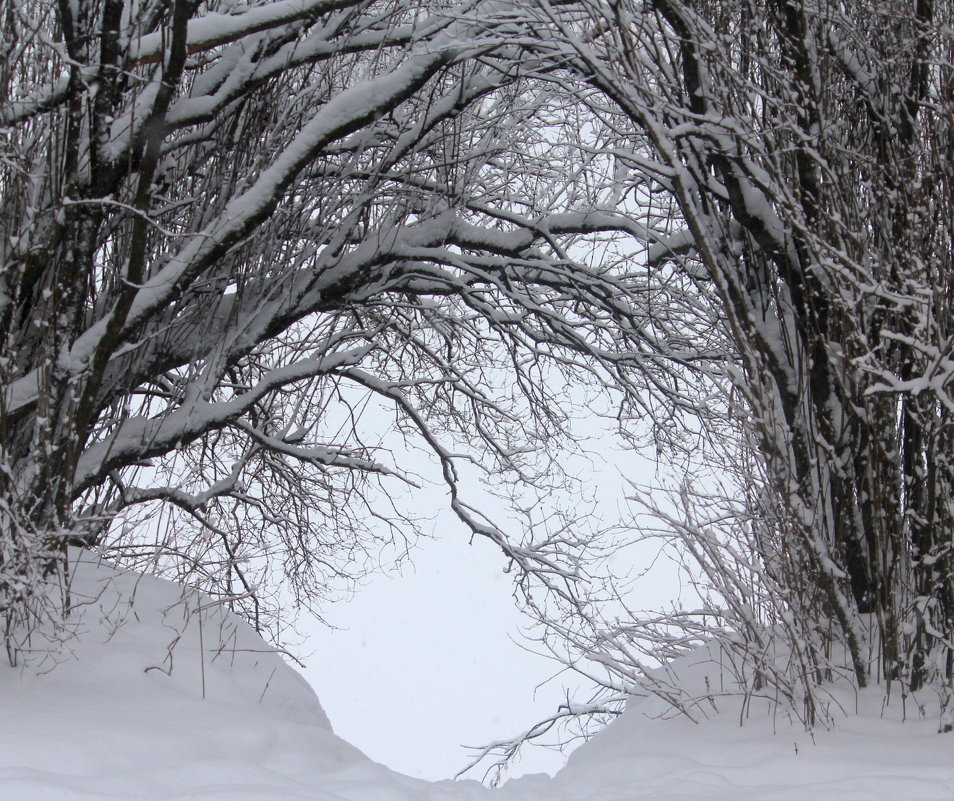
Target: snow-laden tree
[
  {"x": 807, "y": 149},
  {"x": 229, "y": 227}
]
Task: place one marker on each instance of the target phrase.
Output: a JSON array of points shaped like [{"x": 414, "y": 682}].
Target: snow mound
[
  {"x": 745, "y": 747},
  {"x": 158, "y": 693}
]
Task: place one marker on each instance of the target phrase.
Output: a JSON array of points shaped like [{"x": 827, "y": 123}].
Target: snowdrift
[{"x": 158, "y": 693}]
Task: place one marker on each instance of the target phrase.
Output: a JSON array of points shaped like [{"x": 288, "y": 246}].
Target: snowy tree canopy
[{"x": 229, "y": 228}]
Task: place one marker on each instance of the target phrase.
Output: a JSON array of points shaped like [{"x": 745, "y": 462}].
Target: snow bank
[
  {"x": 146, "y": 703},
  {"x": 159, "y": 693},
  {"x": 749, "y": 749}
]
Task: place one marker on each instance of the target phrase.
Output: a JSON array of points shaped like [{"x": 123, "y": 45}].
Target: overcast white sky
[
  {"x": 432, "y": 659},
  {"x": 426, "y": 661}
]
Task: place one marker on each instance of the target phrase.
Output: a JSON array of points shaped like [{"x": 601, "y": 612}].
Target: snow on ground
[{"x": 144, "y": 703}]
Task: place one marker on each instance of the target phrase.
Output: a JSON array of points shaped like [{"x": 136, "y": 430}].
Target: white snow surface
[{"x": 117, "y": 718}]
